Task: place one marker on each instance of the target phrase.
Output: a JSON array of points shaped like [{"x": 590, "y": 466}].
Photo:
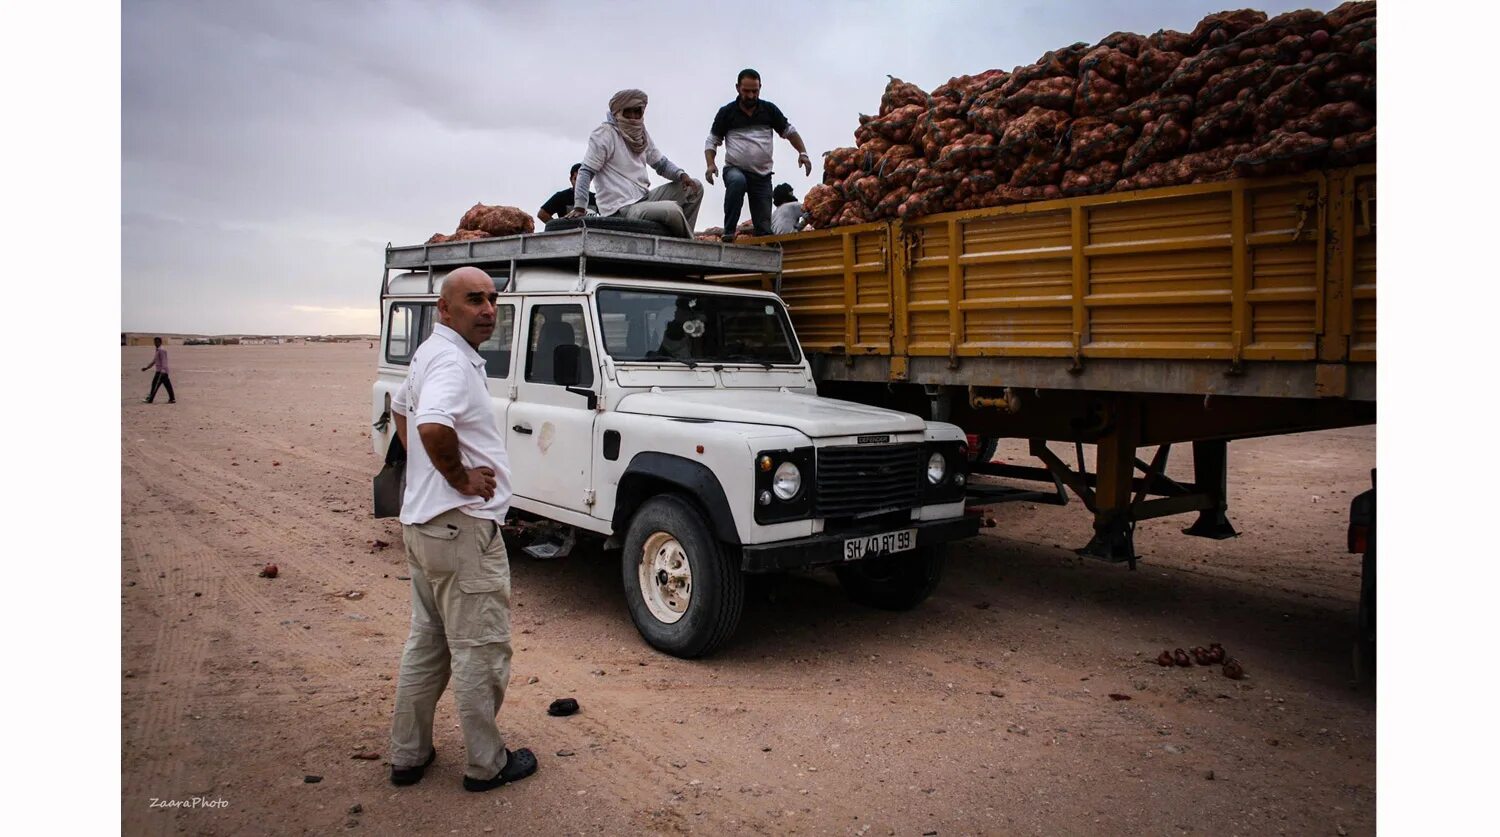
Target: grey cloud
[{"x": 270, "y": 149}]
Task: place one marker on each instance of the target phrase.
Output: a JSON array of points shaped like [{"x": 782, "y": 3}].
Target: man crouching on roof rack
[{"x": 619, "y": 153}]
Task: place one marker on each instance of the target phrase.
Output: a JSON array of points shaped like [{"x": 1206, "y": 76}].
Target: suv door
[
  {"x": 549, "y": 431},
  {"x": 499, "y": 360}
]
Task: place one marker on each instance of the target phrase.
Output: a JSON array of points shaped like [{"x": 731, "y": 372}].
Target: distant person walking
[
  {"x": 745, "y": 127},
  {"x": 457, "y": 492},
  {"x": 161, "y": 378}
]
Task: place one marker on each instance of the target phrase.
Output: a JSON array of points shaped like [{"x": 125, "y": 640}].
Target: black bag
[{"x": 390, "y": 484}]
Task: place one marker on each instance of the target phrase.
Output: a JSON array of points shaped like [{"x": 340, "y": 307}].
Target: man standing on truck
[
  {"x": 159, "y": 360},
  {"x": 457, "y": 493},
  {"x": 745, "y": 127},
  {"x": 619, "y": 153},
  {"x": 562, "y": 201}
]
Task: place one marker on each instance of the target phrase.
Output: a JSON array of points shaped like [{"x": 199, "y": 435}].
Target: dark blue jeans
[
  {"x": 158, "y": 381},
  {"x": 737, "y": 182}
]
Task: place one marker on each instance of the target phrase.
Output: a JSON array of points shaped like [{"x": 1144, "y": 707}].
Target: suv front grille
[{"x": 858, "y": 479}]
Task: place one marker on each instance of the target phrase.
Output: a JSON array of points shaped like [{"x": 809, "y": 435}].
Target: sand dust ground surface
[{"x": 988, "y": 709}]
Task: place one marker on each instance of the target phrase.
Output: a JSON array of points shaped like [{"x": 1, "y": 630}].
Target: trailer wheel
[
  {"x": 610, "y": 223},
  {"x": 893, "y": 582},
  {"x": 684, "y": 592}
]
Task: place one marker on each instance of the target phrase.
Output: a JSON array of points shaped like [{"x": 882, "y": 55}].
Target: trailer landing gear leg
[
  {"x": 1210, "y": 477},
  {"x": 1114, "y": 529},
  {"x": 1113, "y": 541}
]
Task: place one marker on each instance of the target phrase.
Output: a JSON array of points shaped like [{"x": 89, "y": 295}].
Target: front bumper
[{"x": 829, "y": 548}]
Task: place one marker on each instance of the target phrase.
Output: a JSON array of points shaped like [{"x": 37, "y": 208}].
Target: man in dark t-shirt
[
  {"x": 559, "y": 204},
  {"x": 745, "y": 127}
]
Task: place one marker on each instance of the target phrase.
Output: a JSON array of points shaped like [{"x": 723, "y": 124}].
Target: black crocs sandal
[
  {"x": 402, "y": 776},
  {"x": 518, "y": 765}
]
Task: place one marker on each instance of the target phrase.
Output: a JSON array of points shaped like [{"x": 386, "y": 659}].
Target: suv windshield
[{"x": 694, "y": 327}]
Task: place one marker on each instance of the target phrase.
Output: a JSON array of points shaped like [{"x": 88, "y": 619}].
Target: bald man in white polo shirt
[{"x": 457, "y": 493}]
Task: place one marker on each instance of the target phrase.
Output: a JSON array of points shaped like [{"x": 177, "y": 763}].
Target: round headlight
[
  {"x": 787, "y": 482},
  {"x": 937, "y": 468}
]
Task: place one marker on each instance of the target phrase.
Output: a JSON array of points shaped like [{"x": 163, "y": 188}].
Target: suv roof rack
[{"x": 642, "y": 255}]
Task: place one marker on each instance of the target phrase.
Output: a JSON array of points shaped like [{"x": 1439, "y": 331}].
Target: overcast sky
[{"x": 270, "y": 150}]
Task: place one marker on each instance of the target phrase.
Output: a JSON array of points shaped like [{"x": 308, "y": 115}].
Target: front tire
[
  {"x": 684, "y": 593},
  {"x": 893, "y": 582}
]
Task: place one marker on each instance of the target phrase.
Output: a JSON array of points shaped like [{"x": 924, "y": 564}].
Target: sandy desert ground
[{"x": 986, "y": 710}]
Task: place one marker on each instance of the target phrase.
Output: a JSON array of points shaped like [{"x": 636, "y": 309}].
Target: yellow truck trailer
[{"x": 1200, "y": 314}]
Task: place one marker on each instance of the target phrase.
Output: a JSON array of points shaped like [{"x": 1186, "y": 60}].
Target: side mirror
[
  {"x": 565, "y": 365},
  {"x": 565, "y": 372}
]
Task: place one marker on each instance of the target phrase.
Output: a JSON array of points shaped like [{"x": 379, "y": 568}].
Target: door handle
[{"x": 520, "y": 429}]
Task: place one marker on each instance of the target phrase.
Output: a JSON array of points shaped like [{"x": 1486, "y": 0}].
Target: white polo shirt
[{"x": 446, "y": 386}]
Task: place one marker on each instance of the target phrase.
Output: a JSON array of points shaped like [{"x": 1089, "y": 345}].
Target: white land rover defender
[{"x": 679, "y": 419}]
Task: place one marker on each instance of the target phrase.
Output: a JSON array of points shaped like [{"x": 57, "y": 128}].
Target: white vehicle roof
[
  {"x": 584, "y": 251},
  {"x": 546, "y": 280}
]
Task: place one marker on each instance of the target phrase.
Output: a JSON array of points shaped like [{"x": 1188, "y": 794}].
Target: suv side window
[
  {"x": 496, "y": 350},
  {"x": 408, "y": 326},
  {"x": 429, "y": 319},
  {"x": 552, "y": 326}
]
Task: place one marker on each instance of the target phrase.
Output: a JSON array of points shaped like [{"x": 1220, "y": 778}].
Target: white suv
[{"x": 680, "y": 420}]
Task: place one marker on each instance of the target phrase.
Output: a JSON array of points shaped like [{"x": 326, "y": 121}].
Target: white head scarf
[{"x": 633, "y": 131}]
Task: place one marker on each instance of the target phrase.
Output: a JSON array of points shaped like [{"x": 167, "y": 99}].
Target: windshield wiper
[
  {"x": 655, "y": 357},
  {"x": 757, "y": 361}
]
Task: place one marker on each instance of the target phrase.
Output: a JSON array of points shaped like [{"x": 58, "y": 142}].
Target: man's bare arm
[
  {"x": 441, "y": 444},
  {"x": 802, "y": 159},
  {"x": 401, "y": 429}
]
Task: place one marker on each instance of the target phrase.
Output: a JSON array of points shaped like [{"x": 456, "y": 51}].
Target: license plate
[{"x": 871, "y": 545}]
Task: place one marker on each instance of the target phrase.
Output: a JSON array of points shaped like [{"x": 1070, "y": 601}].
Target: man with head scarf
[{"x": 616, "y": 164}]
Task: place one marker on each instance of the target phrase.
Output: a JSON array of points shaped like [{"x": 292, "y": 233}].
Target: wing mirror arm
[
  {"x": 590, "y": 395},
  {"x": 565, "y": 361}
]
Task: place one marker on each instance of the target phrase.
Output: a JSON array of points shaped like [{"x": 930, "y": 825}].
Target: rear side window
[
  {"x": 409, "y": 324},
  {"x": 496, "y": 351}
]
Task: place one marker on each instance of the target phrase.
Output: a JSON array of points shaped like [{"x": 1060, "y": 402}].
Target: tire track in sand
[
  {"x": 164, "y": 684},
  {"x": 275, "y": 517}
]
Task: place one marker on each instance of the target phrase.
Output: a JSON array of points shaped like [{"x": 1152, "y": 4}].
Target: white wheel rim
[{"x": 666, "y": 577}]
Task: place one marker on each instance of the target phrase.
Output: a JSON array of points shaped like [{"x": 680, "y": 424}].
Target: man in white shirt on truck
[
  {"x": 457, "y": 493},
  {"x": 617, "y": 165}
]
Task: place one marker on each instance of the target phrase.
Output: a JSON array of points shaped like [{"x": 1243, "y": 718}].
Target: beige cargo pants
[
  {"x": 460, "y": 624},
  {"x": 670, "y": 205}
]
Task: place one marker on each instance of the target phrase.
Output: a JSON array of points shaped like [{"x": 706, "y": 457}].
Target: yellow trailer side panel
[{"x": 1275, "y": 269}]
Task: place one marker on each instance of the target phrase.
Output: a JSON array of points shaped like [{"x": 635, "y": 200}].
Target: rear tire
[
  {"x": 684, "y": 592},
  {"x": 893, "y": 582}
]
